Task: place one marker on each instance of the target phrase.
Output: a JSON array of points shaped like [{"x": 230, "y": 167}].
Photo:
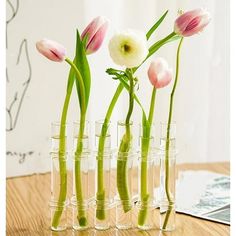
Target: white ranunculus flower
[{"x": 128, "y": 48}]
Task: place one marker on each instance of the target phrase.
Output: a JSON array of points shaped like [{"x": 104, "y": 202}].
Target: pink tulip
[
  {"x": 191, "y": 22},
  {"x": 95, "y": 33},
  {"x": 51, "y": 49},
  {"x": 159, "y": 73}
]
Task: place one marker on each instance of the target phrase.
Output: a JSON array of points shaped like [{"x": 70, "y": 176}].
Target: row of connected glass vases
[{"x": 128, "y": 183}]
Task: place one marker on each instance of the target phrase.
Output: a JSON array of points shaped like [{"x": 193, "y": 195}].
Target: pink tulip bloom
[
  {"x": 191, "y": 22},
  {"x": 51, "y": 49},
  {"x": 159, "y": 73},
  {"x": 95, "y": 33}
]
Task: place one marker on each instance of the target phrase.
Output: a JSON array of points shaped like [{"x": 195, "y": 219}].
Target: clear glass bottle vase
[
  {"x": 124, "y": 196},
  {"x": 57, "y": 130},
  {"x": 147, "y": 199},
  {"x": 167, "y": 157},
  {"x": 148, "y": 161},
  {"x": 81, "y": 178},
  {"x": 125, "y": 157},
  {"x": 103, "y": 155},
  {"x": 58, "y": 202}
]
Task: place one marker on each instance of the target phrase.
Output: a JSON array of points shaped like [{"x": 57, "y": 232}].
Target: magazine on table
[{"x": 203, "y": 194}]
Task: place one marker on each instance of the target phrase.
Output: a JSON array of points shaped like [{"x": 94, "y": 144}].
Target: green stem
[
  {"x": 62, "y": 150},
  {"x": 78, "y": 183},
  {"x": 100, "y": 195},
  {"x": 168, "y": 194},
  {"x": 145, "y": 142},
  {"x": 152, "y": 106},
  {"x": 125, "y": 145},
  {"x": 62, "y": 164}
]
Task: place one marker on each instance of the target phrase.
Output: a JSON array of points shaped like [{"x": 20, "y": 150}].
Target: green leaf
[
  {"x": 156, "y": 46},
  {"x": 176, "y": 37},
  {"x": 81, "y": 63},
  {"x": 117, "y": 73},
  {"x": 162, "y": 42},
  {"x": 156, "y": 25}
]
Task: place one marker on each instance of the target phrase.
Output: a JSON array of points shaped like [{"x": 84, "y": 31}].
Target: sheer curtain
[{"x": 201, "y": 108}]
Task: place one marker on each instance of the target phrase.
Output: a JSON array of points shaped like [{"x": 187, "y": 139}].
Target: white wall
[{"x": 202, "y": 97}]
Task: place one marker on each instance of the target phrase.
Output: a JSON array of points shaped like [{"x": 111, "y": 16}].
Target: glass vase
[
  {"x": 85, "y": 140},
  {"x": 56, "y": 140},
  {"x": 103, "y": 154},
  {"x": 147, "y": 197},
  {"x": 103, "y": 202},
  {"x": 80, "y": 201},
  {"x": 167, "y": 157},
  {"x": 102, "y": 136},
  {"x": 169, "y": 131},
  {"x": 58, "y": 202},
  {"x": 125, "y": 157},
  {"x": 148, "y": 214},
  {"x": 80, "y": 216},
  {"x": 62, "y": 209},
  {"x": 124, "y": 196},
  {"x": 148, "y": 160},
  {"x": 81, "y": 178}
]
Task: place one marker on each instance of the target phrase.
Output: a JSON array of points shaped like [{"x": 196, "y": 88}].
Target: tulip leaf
[
  {"x": 171, "y": 37},
  {"x": 156, "y": 25},
  {"x": 81, "y": 63},
  {"x": 176, "y": 37}
]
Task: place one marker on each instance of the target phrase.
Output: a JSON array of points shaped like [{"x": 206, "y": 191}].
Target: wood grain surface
[{"x": 28, "y": 212}]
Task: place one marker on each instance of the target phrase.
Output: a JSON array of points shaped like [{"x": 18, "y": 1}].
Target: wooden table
[{"x": 28, "y": 212}]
